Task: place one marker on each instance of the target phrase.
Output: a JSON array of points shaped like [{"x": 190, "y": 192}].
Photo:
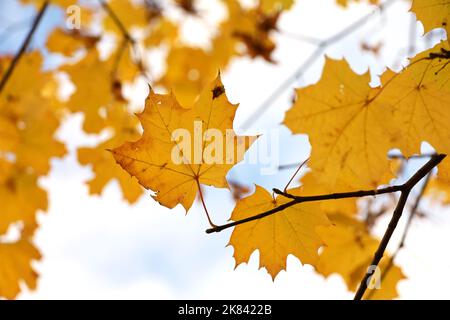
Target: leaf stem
[
  {"x": 295, "y": 173},
  {"x": 204, "y": 204}
]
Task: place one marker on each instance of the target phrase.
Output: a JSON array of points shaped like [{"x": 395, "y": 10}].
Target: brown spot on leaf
[{"x": 218, "y": 91}]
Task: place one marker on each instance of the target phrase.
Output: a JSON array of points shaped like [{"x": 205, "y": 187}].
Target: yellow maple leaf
[
  {"x": 20, "y": 196},
  {"x": 291, "y": 231},
  {"x": 151, "y": 159},
  {"x": 88, "y": 98},
  {"x": 348, "y": 251},
  {"x": 15, "y": 267},
  {"x": 127, "y": 68},
  {"x": 124, "y": 127},
  {"x": 349, "y": 131},
  {"x": 130, "y": 13},
  {"x": 163, "y": 31},
  {"x": 248, "y": 27},
  {"x": 189, "y": 71},
  {"x": 439, "y": 186},
  {"x": 419, "y": 96},
  {"x": 67, "y": 42},
  {"x": 347, "y": 246},
  {"x": 37, "y": 145},
  {"x": 9, "y": 135},
  {"x": 25, "y": 84},
  {"x": 310, "y": 187},
  {"x": 27, "y": 107},
  {"x": 382, "y": 285},
  {"x": 432, "y": 13}
]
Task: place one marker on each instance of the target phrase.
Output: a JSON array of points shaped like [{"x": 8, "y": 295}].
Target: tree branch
[
  {"x": 405, "y": 191},
  {"x": 24, "y": 46},
  {"x": 401, "y": 244},
  {"x": 127, "y": 39},
  {"x": 300, "y": 199},
  {"x": 116, "y": 20}
]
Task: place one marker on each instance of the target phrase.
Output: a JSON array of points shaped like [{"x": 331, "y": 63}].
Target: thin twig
[
  {"x": 127, "y": 39},
  {"x": 310, "y": 61},
  {"x": 301, "y": 38},
  {"x": 295, "y": 173},
  {"x": 334, "y": 196},
  {"x": 116, "y": 20},
  {"x": 405, "y": 191},
  {"x": 301, "y": 199},
  {"x": 415, "y": 156},
  {"x": 412, "y": 215},
  {"x": 24, "y": 46},
  {"x": 118, "y": 58},
  {"x": 288, "y": 166}
]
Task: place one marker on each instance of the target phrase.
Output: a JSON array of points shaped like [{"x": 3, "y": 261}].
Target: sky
[{"x": 101, "y": 247}]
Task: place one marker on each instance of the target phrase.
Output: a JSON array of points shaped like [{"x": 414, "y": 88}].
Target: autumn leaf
[
  {"x": 163, "y": 31},
  {"x": 37, "y": 144},
  {"x": 349, "y": 131},
  {"x": 16, "y": 267},
  {"x": 9, "y": 134},
  {"x": 87, "y": 98},
  {"x": 195, "y": 69},
  {"x": 432, "y": 13},
  {"x": 439, "y": 186},
  {"x": 291, "y": 231},
  {"x": 68, "y": 42},
  {"x": 348, "y": 251},
  {"x": 150, "y": 159},
  {"x": 391, "y": 275},
  {"x": 131, "y": 15},
  {"x": 126, "y": 66},
  {"x": 347, "y": 246},
  {"x": 420, "y": 97},
  {"x": 310, "y": 187},
  {"x": 124, "y": 127},
  {"x": 20, "y": 195},
  {"x": 31, "y": 129}
]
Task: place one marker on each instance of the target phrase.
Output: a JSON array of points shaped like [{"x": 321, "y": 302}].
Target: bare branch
[
  {"x": 300, "y": 199},
  {"x": 412, "y": 215},
  {"x": 24, "y": 46},
  {"x": 405, "y": 191},
  {"x": 127, "y": 39}
]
